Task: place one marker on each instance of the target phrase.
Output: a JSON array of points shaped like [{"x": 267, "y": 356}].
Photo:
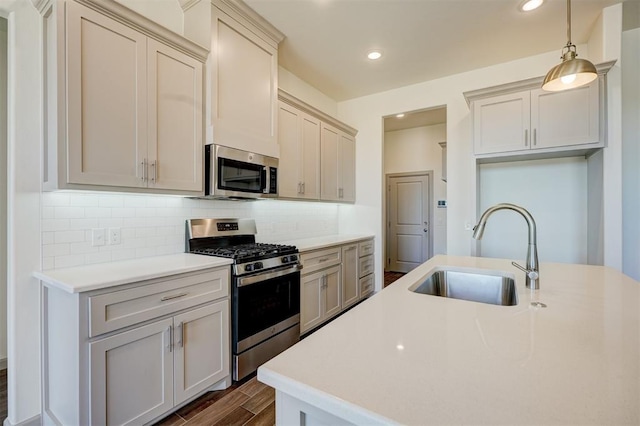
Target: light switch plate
[{"x": 97, "y": 237}]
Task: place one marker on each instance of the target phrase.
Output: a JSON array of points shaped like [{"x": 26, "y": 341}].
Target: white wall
[
  {"x": 155, "y": 225},
  {"x": 554, "y": 191},
  {"x": 3, "y": 190},
  {"x": 293, "y": 85},
  {"x": 631, "y": 153},
  {"x": 416, "y": 150},
  {"x": 23, "y": 194},
  {"x": 366, "y": 114}
]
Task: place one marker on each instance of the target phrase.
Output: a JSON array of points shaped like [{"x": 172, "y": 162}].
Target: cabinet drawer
[
  {"x": 366, "y": 285},
  {"x": 316, "y": 260},
  {"x": 366, "y": 248},
  {"x": 365, "y": 267},
  {"x": 118, "y": 309}
]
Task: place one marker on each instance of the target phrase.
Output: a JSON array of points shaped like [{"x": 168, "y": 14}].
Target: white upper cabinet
[
  {"x": 565, "y": 118},
  {"x": 123, "y": 102},
  {"x": 520, "y": 119},
  {"x": 317, "y": 153},
  {"x": 299, "y": 165},
  {"x": 244, "y": 79},
  {"x": 337, "y": 165},
  {"x": 501, "y": 123}
]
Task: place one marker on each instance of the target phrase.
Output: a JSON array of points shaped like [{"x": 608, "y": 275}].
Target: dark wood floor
[
  {"x": 390, "y": 277},
  {"x": 3, "y": 394},
  {"x": 245, "y": 403}
]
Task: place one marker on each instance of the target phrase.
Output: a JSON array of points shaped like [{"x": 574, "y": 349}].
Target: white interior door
[{"x": 408, "y": 224}]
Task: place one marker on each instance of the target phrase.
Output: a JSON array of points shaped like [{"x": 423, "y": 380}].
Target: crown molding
[
  {"x": 303, "y": 106},
  {"x": 252, "y": 17},
  {"x": 516, "y": 86},
  {"x": 187, "y": 4}
]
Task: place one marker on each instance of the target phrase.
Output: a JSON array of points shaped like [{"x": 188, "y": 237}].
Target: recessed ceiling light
[
  {"x": 529, "y": 5},
  {"x": 374, "y": 54},
  {"x": 399, "y": 115}
]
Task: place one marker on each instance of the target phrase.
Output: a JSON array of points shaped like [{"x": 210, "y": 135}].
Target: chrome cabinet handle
[
  {"x": 535, "y": 136},
  {"x": 155, "y": 171},
  {"x": 303, "y": 187},
  {"x": 144, "y": 169},
  {"x": 181, "y": 335},
  {"x": 526, "y": 137},
  {"x": 170, "y": 339},
  {"x": 299, "y": 188},
  {"x": 175, "y": 296}
]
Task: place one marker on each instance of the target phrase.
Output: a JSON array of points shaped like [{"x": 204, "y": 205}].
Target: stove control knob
[
  {"x": 248, "y": 268},
  {"x": 285, "y": 259},
  {"x": 257, "y": 265}
]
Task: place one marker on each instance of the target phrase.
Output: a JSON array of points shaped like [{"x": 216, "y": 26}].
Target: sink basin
[{"x": 476, "y": 286}]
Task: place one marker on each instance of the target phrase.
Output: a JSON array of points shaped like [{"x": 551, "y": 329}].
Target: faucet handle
[{"x": 533, "y": 275}]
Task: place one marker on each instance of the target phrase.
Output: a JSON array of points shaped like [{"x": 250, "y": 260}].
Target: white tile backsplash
[{"x": 153, "y": 225}]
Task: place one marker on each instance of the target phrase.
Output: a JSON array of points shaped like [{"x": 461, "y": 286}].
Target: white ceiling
[{"x": 327, "y": 40}]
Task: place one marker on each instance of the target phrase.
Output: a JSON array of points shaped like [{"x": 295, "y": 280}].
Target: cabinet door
[
  {"x": 289, "y": 138},
  {"x": 107, "y": 109},
  {"x": 132, "y": 375},
  {"x": 311, "y": 300},
  {"x": 310, "y": 157},
  {"x": 332, "y": 292},
  {"x": 201, "y": 349},
  {"x": 349, "y": 275},
  {"x": 244, "y": 98},
  {"x": 329, "y": 163},
  {"x": 175, "y": 119},
  {"x": 347, "y": 191},
  {"x": 570, "y": 117},
  {"x": 501, "y": 123}
]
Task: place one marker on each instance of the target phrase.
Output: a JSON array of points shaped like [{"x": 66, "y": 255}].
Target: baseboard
[
  {"x": 3, "y": 364},
  {"x": 33, "y": 421}
]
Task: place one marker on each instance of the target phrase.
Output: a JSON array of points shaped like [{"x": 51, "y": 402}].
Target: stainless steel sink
[{"x": 476, "y": 286}]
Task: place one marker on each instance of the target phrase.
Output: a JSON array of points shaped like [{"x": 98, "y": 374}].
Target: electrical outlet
[
  {"x": 114, "y": 236},
  {"x": 97, "y": 237}
]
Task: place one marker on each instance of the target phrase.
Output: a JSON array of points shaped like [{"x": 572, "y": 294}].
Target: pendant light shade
[{"x": 571, "y": 72}]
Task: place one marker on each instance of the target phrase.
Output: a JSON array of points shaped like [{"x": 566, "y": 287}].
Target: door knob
[{"x": 425, "y": 230}]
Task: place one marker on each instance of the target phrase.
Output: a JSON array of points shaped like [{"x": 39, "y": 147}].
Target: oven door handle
[{"x": 268, "y": 275}]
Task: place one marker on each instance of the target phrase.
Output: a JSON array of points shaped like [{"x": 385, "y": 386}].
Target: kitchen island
[{"x": 409, "y": 358}]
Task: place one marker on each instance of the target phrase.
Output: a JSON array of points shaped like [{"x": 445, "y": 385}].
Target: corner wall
[
  {"x": 417, "y": 150},
  {"x": 3, "y": 192},
  {"x": 631, "y": 153}
]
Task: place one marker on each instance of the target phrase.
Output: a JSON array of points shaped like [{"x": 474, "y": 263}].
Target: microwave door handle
[{"x": 265, "y": 180}]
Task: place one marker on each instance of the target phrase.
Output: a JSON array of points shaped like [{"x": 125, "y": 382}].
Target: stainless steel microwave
[{"x": 232, "y": 173}]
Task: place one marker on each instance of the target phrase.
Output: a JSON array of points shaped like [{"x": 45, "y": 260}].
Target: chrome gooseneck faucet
[{"x": 531, "y": 270}]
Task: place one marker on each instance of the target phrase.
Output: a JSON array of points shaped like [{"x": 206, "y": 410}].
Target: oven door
[{"x": 264, "y": 305}]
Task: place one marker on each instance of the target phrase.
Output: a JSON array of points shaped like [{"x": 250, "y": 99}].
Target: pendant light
[{"x": 571, "y": 72}]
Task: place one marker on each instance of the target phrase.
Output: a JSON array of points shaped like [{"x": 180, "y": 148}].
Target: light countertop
[
  {"x": 409, "y": 358},
  {"x": 316, "y": 243},
  {"x": 104, "y": 275}
]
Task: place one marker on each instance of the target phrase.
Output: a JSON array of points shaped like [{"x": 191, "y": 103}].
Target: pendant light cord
[{"x": 568, "y": 22}]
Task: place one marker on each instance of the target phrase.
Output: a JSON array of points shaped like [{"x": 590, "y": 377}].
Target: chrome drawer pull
[
  {"x": 175, "y": 296},
  {"x": 323, "y": 260}
]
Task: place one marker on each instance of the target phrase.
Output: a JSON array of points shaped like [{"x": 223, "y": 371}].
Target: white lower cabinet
[
  {"x": 350, "y": 293},
  {"x": 320, "y": 297},
  {"x": 334, "y": 279},
  {"x": 155, "y": 345},
  {"x": 132, "y": 375}
]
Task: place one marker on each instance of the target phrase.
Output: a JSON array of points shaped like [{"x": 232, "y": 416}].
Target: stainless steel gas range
[{"x": 265, "y": 289}]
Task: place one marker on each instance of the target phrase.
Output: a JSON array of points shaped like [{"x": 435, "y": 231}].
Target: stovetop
[
  {"x": 248, "y": 252},
  {"x": 235, "y": 239}
]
